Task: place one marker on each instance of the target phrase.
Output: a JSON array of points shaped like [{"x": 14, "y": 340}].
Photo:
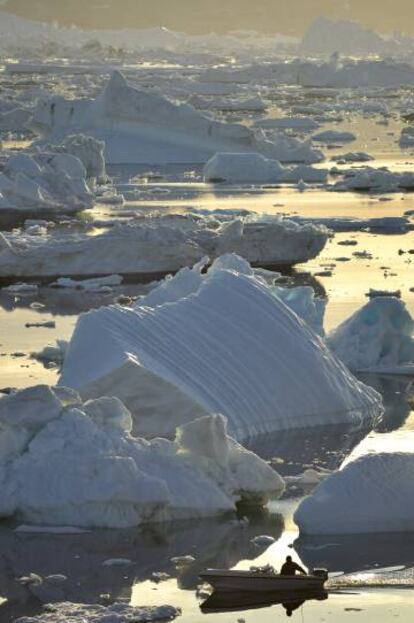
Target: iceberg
[
  {"x": 139, "y": 126},
  {"x": 229, "y": 345},
  {"x": 371, "y": 493},
  {"x": 159, "y": 246},
  {"x": 50, "y": 180},
  {"x": 378, "y": 337},
  {"x": 256, "y": 169},
  {"x": 68, "y": 463}
]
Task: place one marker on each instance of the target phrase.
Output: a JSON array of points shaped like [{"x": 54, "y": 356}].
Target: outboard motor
[{"x": 320, "y": 573}]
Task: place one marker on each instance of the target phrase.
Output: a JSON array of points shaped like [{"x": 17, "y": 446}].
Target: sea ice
[
  {"x": 229, "y": 346},
  {"x": 65, "y": 463},
  {"x": 378, "y": 337},
  {"x": 373, "y": 492},
  {"x": 157, "y": 248},
  {"x": 139, "y": 126},
  {"x": 44, "y": 180},
  {"x": 256, "y": 169}
]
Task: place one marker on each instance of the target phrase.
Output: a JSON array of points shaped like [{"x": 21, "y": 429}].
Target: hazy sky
[{"x": 287, "y": 16}]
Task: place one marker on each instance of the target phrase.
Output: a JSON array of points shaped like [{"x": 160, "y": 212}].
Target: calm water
[{"x": 369, "y": 597}]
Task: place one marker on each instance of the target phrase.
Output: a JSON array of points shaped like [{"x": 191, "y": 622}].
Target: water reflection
[
  {"x": 349, "y": 553},
  {"x": 219, "y": 543},
  {"x": 239, "y": 601}
]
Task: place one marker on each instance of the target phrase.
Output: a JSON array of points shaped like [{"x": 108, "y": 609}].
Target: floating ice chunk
[
  {"x": 55, "y": 354},
  {"x": 64, "y": 463},
  {"x": 263, "y": 540},
  {"x": 182, "y": 561},
  {"x": 295, "y": 123},
  {"x": 158, "y": 248},
  {"x": 407, "y": 137},
  {"x": 21, "y": 288},
  {"x": 117, "y": 562},
  {"x": 377, "y": 337},
  {"x": 256, "y": 169},
  {"x": 121, "y": 612},
  {"x": 354, "y": 156},
  {"x": 229, "y": 347},
  {"x": 334, "y": 136},
  {"x": 139, "y": 126},
  {"x": 46, "y": 179},
  {"x": 372, "y": 493},
  {"x": 89, "y": 285}
]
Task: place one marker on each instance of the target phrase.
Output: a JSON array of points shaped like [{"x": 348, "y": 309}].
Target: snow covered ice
[
  {"x": 228, "y": 345},
  {"x": 372, "y": 492},
  {"x": 256, "y": 169},
  {"x": 378, "y": 337},
  {"x": 68, "y": 463},
  {"x": 160, "y": 246}
]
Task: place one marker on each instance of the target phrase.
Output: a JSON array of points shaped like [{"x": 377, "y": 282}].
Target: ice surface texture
[
  {"x": 66, "y": 463},
  {"x": 231, "y": 346}
]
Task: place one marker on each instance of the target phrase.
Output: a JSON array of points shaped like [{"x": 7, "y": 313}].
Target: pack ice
[
  {"x": 157, "y": 246},
  {"x": 373, "y": 492},
  {"x": 378, "y": 337},
  {"x": 222, "y": 343},
  {"x": 63, "y": 462},
  {"x": 139, "y": 126}
]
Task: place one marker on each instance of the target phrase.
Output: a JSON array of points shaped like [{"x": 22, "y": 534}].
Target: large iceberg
[
  {"x": 66, "y": 463},
  {"x": 157, "y": 246},
  {"x": 374, "y": 492},
  {"x": 378, "y": 337},
  {"x": 139, "y": 126},
  {"x": 228, "y": 345}
]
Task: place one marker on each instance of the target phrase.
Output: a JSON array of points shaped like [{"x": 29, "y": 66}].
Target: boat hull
[{"x": 261, "y": 582}]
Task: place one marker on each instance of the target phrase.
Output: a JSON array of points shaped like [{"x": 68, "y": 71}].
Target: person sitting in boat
[{"x": 289, "y": 567}]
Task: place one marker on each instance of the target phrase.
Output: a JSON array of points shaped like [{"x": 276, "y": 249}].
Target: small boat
[{"x": 263, "y": 580}]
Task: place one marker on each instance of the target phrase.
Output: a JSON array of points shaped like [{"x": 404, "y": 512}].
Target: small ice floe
[
  {"x": 353, "y": 156},
  {"x": 248, "y": 168},
  {"x": 47, "y": 324},
  {"x": 32, "y": 578},
  {"x": 21, "y": 288},
  {"x": 334, "y": 136},
  {"x": 363, "y": 255},
  {"x": 183, "y": 561},
  {"x": 263, "y": 540},
  {"x": 97, "y": 285},
  {"x": 121, "y": 612},
  {"x": 52, "y": 354},
  {"x": 372, "y": 293},
  {"x": 310, "y": 477},
  {"x": 160, "y": 576},
  {"x": 117, "y": 562},
  {"x": 348, "y": 243}
]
